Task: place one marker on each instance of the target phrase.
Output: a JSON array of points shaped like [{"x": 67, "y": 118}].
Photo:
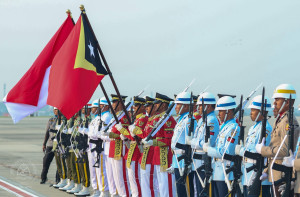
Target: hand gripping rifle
[
  {"x": 113, "y": 122},
  {"x": 288, "y": 171},
  {"x": 65, "y": 138},
  {"x": 258, "y": 167},
  {"x": 206, "y": 159},
  {"x": 236, "y": 168},
  {"x": 74, "y": 140},
  {"x": 99, "y": 142},
  {"x": 187, "y": 150}
]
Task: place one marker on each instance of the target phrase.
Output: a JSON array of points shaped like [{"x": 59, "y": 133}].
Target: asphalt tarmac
[{"x": 21, "y": 156}]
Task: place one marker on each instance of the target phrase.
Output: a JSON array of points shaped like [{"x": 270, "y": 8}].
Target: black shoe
[{"x": 43, "y": 181}]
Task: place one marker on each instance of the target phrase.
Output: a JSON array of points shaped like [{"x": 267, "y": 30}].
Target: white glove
[
  {"x": 289, "y": 161},
  {"x": 147, "y": 143},
  {"x": 258, "y": 147},
  {"x": 188, "y": 140},
  {"x": 119, "y": 126},
  {"x": 170, "y": 170},
  {"x": 263, "y": 177},
  {"x": 104, "y": 133},
  {"x": 123, "y": 137},
  {"x": 237, "y": 149},
  {"x": 281, "y": 188},
  {"x": 206, "y": 146},
  {"x": 131, "y": 128}
]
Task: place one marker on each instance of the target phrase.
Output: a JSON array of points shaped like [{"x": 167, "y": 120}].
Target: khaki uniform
[
  {"x": 83, "y": 167},
  {"x": 61, "y": 165},
  {"x": 71, "y": 160},
  {"x": 280, "y": 129},
  {"x": 60, "y": 162}
]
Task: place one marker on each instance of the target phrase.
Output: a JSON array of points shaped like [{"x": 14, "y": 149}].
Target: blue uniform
[
  {"x": 225, "y": 143},
  {"x": 199, "y": 136},
  {"x": 251, "y": 141},
  {"x": 180, "y": 131},
  {"x": 197, "y": 145}
]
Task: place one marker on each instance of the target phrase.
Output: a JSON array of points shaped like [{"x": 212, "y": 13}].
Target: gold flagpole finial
[
  {"x": 82, "y": 8},
  {"x": 69, "y": 12}
]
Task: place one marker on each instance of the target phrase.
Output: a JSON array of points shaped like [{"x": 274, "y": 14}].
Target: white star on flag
[{"x": 91, "y": 49}]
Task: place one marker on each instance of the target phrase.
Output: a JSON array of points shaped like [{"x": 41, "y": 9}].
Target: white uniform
[
  {"x": 98, "y": 175},
  {"x": 107, "y": 166},
  {"x": 93, "y": 128}
]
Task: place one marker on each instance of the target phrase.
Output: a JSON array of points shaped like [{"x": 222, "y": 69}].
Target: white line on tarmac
[{"x": 15, "y": 190}]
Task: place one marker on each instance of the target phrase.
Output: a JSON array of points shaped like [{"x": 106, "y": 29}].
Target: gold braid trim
[
  {"x": 124, "y": 131},
  {"x": 158, "y": 143},
  {"x": 137, "y": 130},
  {"x": 113, "y": 135}
]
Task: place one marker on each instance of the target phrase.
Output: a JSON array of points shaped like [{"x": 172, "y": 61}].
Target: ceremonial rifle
[
  {"x": 83, "y": 138},
  {"x": 114, "y": 121},
  {"x": 207, "y": 160},
  {"x": 165, "y": 117},
  {"x": 288, "y": 171},
  {"x": 236, "y": 168},
  {"x": 77, "y": 139},
  {"x": 99, "y": 142},
  {"x": 255, "y": 184},
  {"x": 65, "y": 138},
  {"x": 187, "y": 150},
  {"x": 244, "y": 103}
]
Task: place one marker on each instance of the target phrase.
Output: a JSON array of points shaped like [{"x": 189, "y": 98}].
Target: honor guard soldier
[
  {"x": 105, "y": 169},
  {"x": 48, "y": 145},
  {"x": 134, "y": 134},
  {"x": 60, "y": 161},
  {"x": 294, "y": 161},
  {"x": 198, "y": 140},
  {"x": 149, "y": 186},
  {"x": 81, "y": 143},
  {"x": 225, "y": 143},
  {"x": 180, "y": 136},
  {"x": 254, "y": 134},
  {"x": 162, "y": 146},
  {"x": 72, "y": 163},
  {"x": 92, "y": 155},
  {"x": 117, "y": 150},
  {"x": 66, "y": 143},
  {"x": 281, "y": 106}
]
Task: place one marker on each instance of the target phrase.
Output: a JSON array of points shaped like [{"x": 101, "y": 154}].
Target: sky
[{"x": 231, "y": 46}]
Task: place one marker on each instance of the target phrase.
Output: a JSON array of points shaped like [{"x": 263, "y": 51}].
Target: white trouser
[
  {"x": 109, "y": 174},
  {"x": 101, "y": 174},
  {"x": 117, "y": 168},
  {"x": 134, "y": 179},
  {"x": 93, "y": 176},
  {"x": 166, "y": 182},
  {"x": 148, "y": 179}
]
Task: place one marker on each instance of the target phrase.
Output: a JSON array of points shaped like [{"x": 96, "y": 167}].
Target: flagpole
[
  {"x": 109, "y": 103},
  {"x": 106, "y": 65},
  {"x": 69, "y": 13}
]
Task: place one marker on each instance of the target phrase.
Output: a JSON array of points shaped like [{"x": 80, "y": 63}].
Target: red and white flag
[{"x": 31, "y": 92}]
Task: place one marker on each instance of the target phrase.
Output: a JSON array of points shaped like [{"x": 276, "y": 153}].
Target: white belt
[
  {"x": 178, "y": 152},
  {"x": 247, "y": 160},
  {"x": 201, "y": 152}
]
